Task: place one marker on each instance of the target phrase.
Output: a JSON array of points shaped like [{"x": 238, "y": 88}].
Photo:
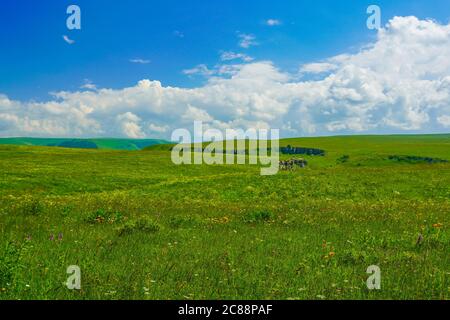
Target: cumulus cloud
[
  {"x": 444, "y": 120},
  {"x": 195, "y": 114},
  {"x": 129, "y": 125},
  {"x": 317, "y": 67},
  {"x": 398, "y": 83}
]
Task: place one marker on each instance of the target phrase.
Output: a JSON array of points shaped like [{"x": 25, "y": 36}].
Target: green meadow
[{"x": 140, "y": 227}]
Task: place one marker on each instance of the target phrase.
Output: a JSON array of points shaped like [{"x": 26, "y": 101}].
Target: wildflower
[
  {"x": 437, "y": 225},
  {"x": 332, "y": 254},
  {"x": 52, "y": 237},
  {"x": 60, "y": 236}
]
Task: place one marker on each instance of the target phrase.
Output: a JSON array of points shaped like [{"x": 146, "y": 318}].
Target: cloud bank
[{"x": 398, "y": 83}]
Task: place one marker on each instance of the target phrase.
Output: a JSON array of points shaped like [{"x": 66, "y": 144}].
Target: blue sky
[
  {"x": 35, "y": 60},
  {"x": 142, "y": 68}
]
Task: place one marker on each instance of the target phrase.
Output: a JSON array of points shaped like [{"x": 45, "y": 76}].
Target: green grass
[{"x": 140, "y": 227}]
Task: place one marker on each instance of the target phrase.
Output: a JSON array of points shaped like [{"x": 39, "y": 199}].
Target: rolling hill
[{"x": 100, "y": 143}]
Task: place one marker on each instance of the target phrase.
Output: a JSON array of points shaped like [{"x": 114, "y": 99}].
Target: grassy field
[{"x": 140, "y": 227}]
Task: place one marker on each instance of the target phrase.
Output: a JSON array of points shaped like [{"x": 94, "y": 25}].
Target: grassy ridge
[
  {"x": 142, "y": 228},
  {"x": 113, "y": 144}
]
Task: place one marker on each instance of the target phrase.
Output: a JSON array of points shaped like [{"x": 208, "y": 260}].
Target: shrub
[
  {"x": 142, "y": 224},
  {"x": 416, "y": 159},
  {"x": 103, "y": 216},
  {"x": 343, "y": 159},
  {"x": 185, "y": 221},
  {"x": 32, "y": 207},
  {"x": 259, "y": 216}
]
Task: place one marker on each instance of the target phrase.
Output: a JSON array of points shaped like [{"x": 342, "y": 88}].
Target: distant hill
[{"x": 103, "y": 143}]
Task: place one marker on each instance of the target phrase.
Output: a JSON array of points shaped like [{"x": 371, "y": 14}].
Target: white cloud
[
  {"x": 158, "y": 129},
  {"x": 230, "y": 55},
  {"x": 129, "y": 124},
  {"x": 273, "y": 22},
  {"x": 88, "y": 85},
  {"x": 201, "y": 69},
  {"x": 140, "y": 61},
  {"x": 317, "y": 67},
  {"x": 68, "y": 40},
  {"x": 398, "y": 83},
  {"x": 228, "y": 69},
  {"x": 444, "y": 120},
  {"x": 247, "y": 40},
  {"x": 195, "y": 114}
]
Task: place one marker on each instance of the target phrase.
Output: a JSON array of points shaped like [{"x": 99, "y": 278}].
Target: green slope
[{"x": 104, "y": 143}]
